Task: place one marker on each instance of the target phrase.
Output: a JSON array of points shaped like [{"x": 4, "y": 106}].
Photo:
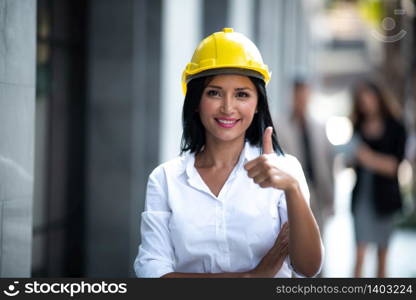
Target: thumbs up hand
[
  {"x": 265, "y": 170},
  {"x": 267, "y": 141}
]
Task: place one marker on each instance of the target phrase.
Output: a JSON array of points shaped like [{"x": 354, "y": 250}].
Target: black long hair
[
  {"x": 388, "y": 107},
  {"x": 193, "y": 137}
]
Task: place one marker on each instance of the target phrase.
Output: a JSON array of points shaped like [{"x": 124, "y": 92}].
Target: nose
[{"x": 227, "y": 106}]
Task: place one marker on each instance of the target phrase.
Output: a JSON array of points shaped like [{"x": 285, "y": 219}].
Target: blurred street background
[{"x": 90, "y": 103}]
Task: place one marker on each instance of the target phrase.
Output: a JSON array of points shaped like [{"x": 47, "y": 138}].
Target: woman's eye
[
  {"x": 242, "y": 95},
  {"x": 213, "y": 93}
]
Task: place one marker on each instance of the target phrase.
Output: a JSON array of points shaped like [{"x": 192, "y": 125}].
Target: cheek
[
  {"x": 374, "y": 104},
  {"x": 368, "y": 106},
  {"x": 248, "y": 109},
  {"x": 206, "y": 109},
  {"x": 249, "y": 113},
  {"x": 362, "y": 105}
]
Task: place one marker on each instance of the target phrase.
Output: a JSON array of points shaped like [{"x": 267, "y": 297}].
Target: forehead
[{"x": 230, "y": 80}]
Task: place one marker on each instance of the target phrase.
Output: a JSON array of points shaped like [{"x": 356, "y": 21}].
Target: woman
[
  {"x": 376, "y": 195},
  {"x": 224, "y": 208}
]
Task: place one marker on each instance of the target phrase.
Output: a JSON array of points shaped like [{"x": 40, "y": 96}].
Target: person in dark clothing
[{"x": 376, "y": 194}]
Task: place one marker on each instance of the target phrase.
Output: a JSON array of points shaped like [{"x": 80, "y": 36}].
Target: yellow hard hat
[{"x": 225, "y": 52}]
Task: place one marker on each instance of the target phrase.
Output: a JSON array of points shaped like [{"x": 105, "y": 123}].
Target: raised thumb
[{"x": 267, "y": 141}]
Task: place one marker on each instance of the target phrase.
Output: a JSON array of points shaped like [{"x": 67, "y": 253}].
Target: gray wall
[
  {"x": 215, "y": 14},
  {"x": 17, "y": 100},
  {"x": 123, "y": 114}
]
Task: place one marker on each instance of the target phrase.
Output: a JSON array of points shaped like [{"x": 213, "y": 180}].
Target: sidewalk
[{"x": 340, "y": 243}]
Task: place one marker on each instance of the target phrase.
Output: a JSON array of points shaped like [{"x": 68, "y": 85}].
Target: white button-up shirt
[{"x": 186, "y": 228}]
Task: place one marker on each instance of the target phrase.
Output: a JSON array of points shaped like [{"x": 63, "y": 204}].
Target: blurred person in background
[
  {"x": 305, "y": 138},
  {"x": 380, "y": 138},
  {"x": 232, "y": 205}
]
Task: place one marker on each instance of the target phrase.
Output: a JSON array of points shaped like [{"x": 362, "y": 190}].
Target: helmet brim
[{"x": 225, "y": 71}]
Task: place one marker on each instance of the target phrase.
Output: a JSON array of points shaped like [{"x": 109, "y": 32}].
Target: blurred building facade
[
  {"x": 108, "y": 110},
  {"x": 17, "y": 115}
]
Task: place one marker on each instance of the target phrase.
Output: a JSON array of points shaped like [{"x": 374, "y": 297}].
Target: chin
[{"x": 228, "y": 137}]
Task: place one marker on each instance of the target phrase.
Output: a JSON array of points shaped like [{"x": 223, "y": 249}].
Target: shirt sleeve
[
  {"x": 155, "y": 256},
  {"x": 296, "y": 172},
  {"x": 291, "y": 165}
]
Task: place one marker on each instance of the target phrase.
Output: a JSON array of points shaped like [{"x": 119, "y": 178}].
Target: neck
[{"x": 220, "y": 154}]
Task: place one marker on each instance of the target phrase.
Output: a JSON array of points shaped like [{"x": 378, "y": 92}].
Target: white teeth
[{"x": 226, "y": 122}]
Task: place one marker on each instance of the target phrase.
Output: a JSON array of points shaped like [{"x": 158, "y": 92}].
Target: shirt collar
[{"x": 249, "y": 152}]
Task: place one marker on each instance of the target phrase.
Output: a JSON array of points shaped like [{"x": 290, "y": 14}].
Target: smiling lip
[{"x": 227, "y": 122}]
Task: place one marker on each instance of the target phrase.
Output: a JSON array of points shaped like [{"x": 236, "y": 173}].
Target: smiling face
[
  {"x": 368, "y": 103},
  {"x": 227, "y": 107}
]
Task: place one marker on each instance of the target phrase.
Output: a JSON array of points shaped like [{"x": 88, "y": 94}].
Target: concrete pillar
[
  {"x": 283, "y": 33},
  {"x": 123, "y": 128},
  {"x": 181, "y": 21},
  {"x": 241, "y": 17},
  {"x": 17, "y": 111},
  {"x": 214, "y": 16}
]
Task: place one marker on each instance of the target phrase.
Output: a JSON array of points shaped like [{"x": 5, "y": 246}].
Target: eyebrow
[{"x": 237, "y": 89}]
